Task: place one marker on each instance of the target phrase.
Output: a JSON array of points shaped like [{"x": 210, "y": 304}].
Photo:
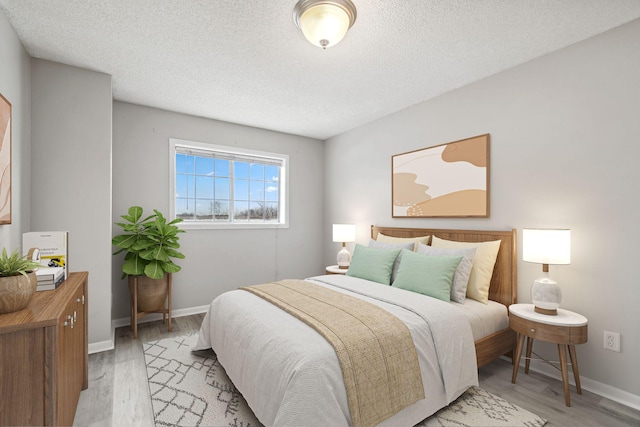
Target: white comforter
[{"x": 290, "y": 375}]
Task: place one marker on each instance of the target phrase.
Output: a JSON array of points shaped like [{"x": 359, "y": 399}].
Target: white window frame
[{"x": 283, "y": 209}]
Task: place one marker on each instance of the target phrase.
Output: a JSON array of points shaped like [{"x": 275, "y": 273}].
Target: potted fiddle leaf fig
[
  {"x": 18, "y": 281},
  {"x": 150, "y": 244}
]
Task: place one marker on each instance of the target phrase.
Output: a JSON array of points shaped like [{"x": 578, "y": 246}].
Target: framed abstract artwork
[
  {"x": 5, "y": 160},
  {"x": 448, "y": 180}
]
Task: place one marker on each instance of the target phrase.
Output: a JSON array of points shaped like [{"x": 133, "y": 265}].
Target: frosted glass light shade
[{"x": 324, "y": 22}]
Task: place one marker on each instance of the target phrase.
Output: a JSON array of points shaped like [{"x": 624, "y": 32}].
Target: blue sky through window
[{"x": 225, "y": 190}]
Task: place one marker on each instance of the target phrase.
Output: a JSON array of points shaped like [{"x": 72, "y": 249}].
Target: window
[{"x": 218, "y": 187}]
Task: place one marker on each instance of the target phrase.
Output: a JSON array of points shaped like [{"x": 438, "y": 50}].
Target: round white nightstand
[
  {"x": 334, "y": 269},
  {"x": 565, "y": 329}
]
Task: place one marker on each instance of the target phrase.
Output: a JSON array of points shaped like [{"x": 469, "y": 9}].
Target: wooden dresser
[{"x": 44, "y": 356}]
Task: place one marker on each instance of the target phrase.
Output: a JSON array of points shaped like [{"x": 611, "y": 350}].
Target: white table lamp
[
  {"x": 344, "y": 233},
  {"x": 546, "y": 246}
]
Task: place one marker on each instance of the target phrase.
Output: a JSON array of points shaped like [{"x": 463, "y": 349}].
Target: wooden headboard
[{"x": 504, "y": 282}]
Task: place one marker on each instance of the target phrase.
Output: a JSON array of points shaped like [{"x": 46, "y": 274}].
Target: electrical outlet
[{"x": 612, "y": 341}]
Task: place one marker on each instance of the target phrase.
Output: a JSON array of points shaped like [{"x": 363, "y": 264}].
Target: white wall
[
  {"x": 71, "y": 174},
  {"x": 565, "y": 144},
  {"x": 15, "y": 86},
  {"x": 216, "y": 260}
]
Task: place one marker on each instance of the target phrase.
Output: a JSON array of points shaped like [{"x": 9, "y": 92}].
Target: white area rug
[{"x": 191, "y": 389}]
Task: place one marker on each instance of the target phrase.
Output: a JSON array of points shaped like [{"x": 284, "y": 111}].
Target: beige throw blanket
[{"x": 376, "y": 352}]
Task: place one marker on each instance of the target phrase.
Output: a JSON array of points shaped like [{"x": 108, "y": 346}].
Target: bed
[
  {"x": 504, "y": 281},
  {"x": 290, "y": 375}
]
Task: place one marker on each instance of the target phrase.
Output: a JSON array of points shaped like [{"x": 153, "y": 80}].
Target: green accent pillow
[
  {"x": 427, "y": 275},
  {"x": 381, "y": 245},
  {"x": 372, "y": 264}
]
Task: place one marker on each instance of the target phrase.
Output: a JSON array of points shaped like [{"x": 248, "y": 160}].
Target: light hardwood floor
[{"x": 118, "y": 394}]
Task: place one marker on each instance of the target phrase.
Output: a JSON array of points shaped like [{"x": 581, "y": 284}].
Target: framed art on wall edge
[{"x": 5, "y": 160}]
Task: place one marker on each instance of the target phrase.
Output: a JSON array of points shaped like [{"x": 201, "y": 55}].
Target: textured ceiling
[{"x": 244, "y": 61}]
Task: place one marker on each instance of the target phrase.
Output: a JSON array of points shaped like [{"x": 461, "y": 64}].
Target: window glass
[
  {"x": 225, "y": 185},
  {"x": 257, "y": 171},
  {"x": 222, "y": 167},
  {"x": 204, "y": 166},
  {"x": 204, "y": 187},
  {"x": 241, "y": 170},
  {"x": 241, "y": 189}
]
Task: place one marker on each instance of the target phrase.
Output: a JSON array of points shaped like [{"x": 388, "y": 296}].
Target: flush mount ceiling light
[{"x": 324, "y": 22}]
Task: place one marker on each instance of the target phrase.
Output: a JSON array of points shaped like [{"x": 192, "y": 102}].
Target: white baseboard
[
  {"x": 110, "y": 344},
  {"x": 601, "y": 389},
  {"x": 125, "y": 321},
  {"x": 100, "y": 346}
]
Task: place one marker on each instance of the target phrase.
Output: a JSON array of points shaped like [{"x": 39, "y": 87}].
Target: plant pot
[
  {"x": 16, "y": 292},
  {"x": 152, "y": 293}
]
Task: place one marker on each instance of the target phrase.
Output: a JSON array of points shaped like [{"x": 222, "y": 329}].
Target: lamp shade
[
  {"x": 546, "y": 246},
  {"x": 324, "y": 22},
  {"x": 344, "y": 233}
]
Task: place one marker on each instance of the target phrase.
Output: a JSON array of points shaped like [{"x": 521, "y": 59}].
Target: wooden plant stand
[{"x": 135, "y": 314}]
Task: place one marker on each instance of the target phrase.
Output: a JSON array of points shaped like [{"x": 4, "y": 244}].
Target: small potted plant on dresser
[
  {"x": 150, "y": 244},
  {"x": 18, "y": 281}
]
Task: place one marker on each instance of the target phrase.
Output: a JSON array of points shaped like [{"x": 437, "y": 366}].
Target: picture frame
[
  {"x": 5, "y": 160},
  {"x": 444, "y": 181}
]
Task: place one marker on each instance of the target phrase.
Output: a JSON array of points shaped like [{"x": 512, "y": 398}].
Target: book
[
  {"x": 46, "y": 284},
  {"x": 53, "y": 247},
  {"x": 51, "y": 281},
  {"x": 49, "y": 273}
]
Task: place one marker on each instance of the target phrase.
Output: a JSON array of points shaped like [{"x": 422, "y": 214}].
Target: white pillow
[
  {"x": 461, "y": 277},
  {"x": 483, "y": 263},
  {"x": 399, "y": 240}
]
